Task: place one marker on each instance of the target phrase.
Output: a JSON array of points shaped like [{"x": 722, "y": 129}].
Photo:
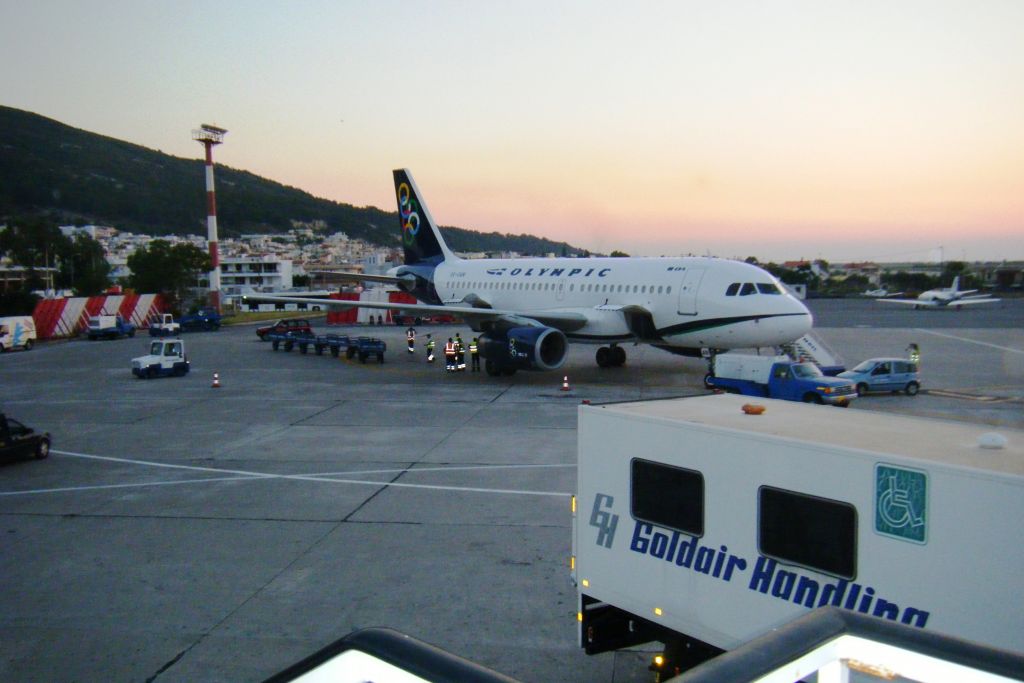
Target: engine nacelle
[{"x": 525, "y": 348}]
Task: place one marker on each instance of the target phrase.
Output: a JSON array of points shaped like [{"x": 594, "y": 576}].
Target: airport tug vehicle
[{"x": 166, "y": 358}]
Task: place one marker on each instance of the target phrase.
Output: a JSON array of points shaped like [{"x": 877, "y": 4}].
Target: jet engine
[{"x": 523, "y": 348}]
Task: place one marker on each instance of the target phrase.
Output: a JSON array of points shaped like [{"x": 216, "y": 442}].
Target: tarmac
[{"x": 180, "y": 532}]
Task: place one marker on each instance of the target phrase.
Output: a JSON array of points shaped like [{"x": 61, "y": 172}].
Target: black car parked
[{"x": 19, "y": 441}]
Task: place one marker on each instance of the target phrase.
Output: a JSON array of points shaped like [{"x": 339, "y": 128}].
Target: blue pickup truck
[
  {"x": 778, "y": 377},
  {"x": 204, "y": 319}
]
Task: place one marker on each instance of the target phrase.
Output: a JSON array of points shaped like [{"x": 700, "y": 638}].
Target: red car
[{"x": 296, "y": 325}]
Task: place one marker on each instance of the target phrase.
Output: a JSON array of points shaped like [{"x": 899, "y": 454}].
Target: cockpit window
[
  {"x": 768, "y": 288},
  {"x": 748, "y": 288},
  {"x": 733, "y": 288}
]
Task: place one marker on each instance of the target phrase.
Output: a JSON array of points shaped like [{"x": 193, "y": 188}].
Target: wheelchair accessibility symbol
[{"x": 901, "y": 503}]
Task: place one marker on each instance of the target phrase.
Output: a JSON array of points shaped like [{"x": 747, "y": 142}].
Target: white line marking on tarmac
[
  {"x": 969, "y": 341},
  {"x": 328, "y": 478},
  {"x": 122, "y": 486}
]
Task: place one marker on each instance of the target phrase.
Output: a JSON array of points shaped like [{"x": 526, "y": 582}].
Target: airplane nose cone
[{"x": 800, "y": 320}]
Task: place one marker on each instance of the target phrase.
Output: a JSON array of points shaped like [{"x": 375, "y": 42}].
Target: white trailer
[{"x": 702, "y": 526}]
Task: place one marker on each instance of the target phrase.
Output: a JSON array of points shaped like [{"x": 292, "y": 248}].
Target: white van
[{"x": 15, "y": 331}]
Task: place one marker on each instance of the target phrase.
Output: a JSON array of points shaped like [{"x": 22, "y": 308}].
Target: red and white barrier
[{"x": 69, "y": 317}]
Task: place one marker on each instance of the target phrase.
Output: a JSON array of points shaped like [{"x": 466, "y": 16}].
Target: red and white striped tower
[{"x": 209, "y": 136}]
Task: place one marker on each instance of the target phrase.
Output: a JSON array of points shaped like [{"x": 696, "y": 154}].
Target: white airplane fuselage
[{"x": 687, "y": 297}]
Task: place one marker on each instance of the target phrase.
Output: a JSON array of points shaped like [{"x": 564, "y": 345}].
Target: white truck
[
  {"x": 17, "y": 331},
  {"x": 163, "y": 325},
  {"x": 165, "y": 358},
  {"x": 703, "y": 525},
  {"x": 106, "y": 326}
]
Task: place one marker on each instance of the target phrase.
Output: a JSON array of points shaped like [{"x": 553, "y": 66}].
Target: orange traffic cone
[
  {"x": 565, "y": 383},
  {"x": 216, "y": 380}
]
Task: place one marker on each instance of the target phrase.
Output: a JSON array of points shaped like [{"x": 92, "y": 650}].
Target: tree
[
  {"x": 169, "y": 269},
  {"x": 84, "y": 266},
  {"x": 34, "y": 243},
  {"x": 619, "y": 254}
]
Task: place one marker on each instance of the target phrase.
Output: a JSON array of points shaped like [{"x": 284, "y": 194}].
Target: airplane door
[
  {"x": 560, "y": 289},
  {"x": 688, "y": 291}
]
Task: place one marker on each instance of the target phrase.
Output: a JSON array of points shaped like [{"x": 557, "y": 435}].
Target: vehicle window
[
  {"x": 670, "y": 497},
  {"x": 748, "y": 289},
  {"x": 768, "y": 288},
  {"x": 156, "y": 349},
  {"x": 911, "y": 367},
  {"x": 807, "y": 370},
  {"x": 863, "y": 366},
  {"x": 781, "y": 372},
  {"x": 882, "y": 369},
  {"x": 812, "y": 532},
  {"x": 732, "y": 289},
  {"x": 176, "y": 350}
]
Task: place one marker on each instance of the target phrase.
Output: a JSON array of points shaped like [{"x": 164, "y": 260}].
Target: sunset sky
[{"x": 873, "y": 130}]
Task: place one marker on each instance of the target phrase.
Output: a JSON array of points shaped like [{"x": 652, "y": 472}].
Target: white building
[{"x": 243, "y": 274}]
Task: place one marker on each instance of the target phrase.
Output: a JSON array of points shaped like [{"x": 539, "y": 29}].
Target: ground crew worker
[
  {"x": 410, "y": 338},
  {"x": 430, "y": 348},
  {"x": 474, "y": 355},
  {"x": 449, "y": 356},
  {"x": 915, "y": 353},
  {"x": 460, "y": 354}
]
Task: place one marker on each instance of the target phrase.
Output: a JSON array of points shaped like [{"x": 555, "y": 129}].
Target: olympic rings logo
[{"x": 410, "y": 219}]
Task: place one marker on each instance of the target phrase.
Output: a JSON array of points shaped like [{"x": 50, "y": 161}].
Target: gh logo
[{"x": 603, "y": 520}]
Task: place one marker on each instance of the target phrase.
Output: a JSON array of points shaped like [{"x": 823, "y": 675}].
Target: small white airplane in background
[
  {"x": 880, "y": 293},
  {"x": 945, "y": 297},
  {"x": 527, "y": 310}
]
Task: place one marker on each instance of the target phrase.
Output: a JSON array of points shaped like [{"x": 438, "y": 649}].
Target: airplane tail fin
[
  {"x": 956, "y": 284},
  {"x": 421, "y": 239}
]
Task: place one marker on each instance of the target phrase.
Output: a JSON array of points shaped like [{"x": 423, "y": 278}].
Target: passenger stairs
[{"x": 812, "y": 348}]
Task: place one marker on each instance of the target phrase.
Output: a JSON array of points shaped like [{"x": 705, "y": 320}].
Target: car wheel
[
  {"x": 1, "y": 348},
  {"x": 912, "y": 388},
  {"x": 862, "y": 389},
  {"x": 42, "y": 449},
  {"x": 709, "y": 381},
  {"x": 812, "y": 398},
  {"x": 28, "y": 345},
  {"x": 131, "y": 333}
]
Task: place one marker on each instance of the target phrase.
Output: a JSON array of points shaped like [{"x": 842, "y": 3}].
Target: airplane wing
[
  {"x": 972, "y": 300},
  {"x": 566, "y": 321},
  {"x": 360, "y": 277},
  {"x": 910, "y": 302}
]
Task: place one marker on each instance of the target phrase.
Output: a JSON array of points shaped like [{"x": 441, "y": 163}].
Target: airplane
[
  {"x": 946, "y": 297},
  {"x": 883, "y": 292},
  {"x": 527, "y": 310}
]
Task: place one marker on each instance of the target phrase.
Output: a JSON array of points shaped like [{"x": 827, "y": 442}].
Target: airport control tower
[{"x": 209, "y": 136}]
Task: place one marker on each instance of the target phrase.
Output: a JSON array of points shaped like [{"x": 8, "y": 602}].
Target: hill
[{"x": 47, "y": 167}]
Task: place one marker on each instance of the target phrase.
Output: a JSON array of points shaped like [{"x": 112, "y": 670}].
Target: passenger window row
[
  {"x": 558, "y": 286},
  {"x": 748, "y": 288}
]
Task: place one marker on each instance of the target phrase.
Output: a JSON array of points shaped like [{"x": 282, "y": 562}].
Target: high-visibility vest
[
  {"x": 410, "y": 335},
  {"x": 472, "y": 348},
  {"x": 449, "y": 349},
  {"x": 430, "y": 345}
]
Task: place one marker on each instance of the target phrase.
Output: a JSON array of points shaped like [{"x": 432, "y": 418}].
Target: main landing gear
[{"x": 613, "y": 356}]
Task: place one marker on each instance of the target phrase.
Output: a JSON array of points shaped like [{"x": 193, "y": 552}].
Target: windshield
[
  {"x": 864, "y": 366},
  {"x": 807, "y": 370},
  {"x": 156, "y": 349}
]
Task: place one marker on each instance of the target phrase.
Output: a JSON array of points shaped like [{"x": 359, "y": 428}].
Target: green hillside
[{"x": 49, "y": 168}]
